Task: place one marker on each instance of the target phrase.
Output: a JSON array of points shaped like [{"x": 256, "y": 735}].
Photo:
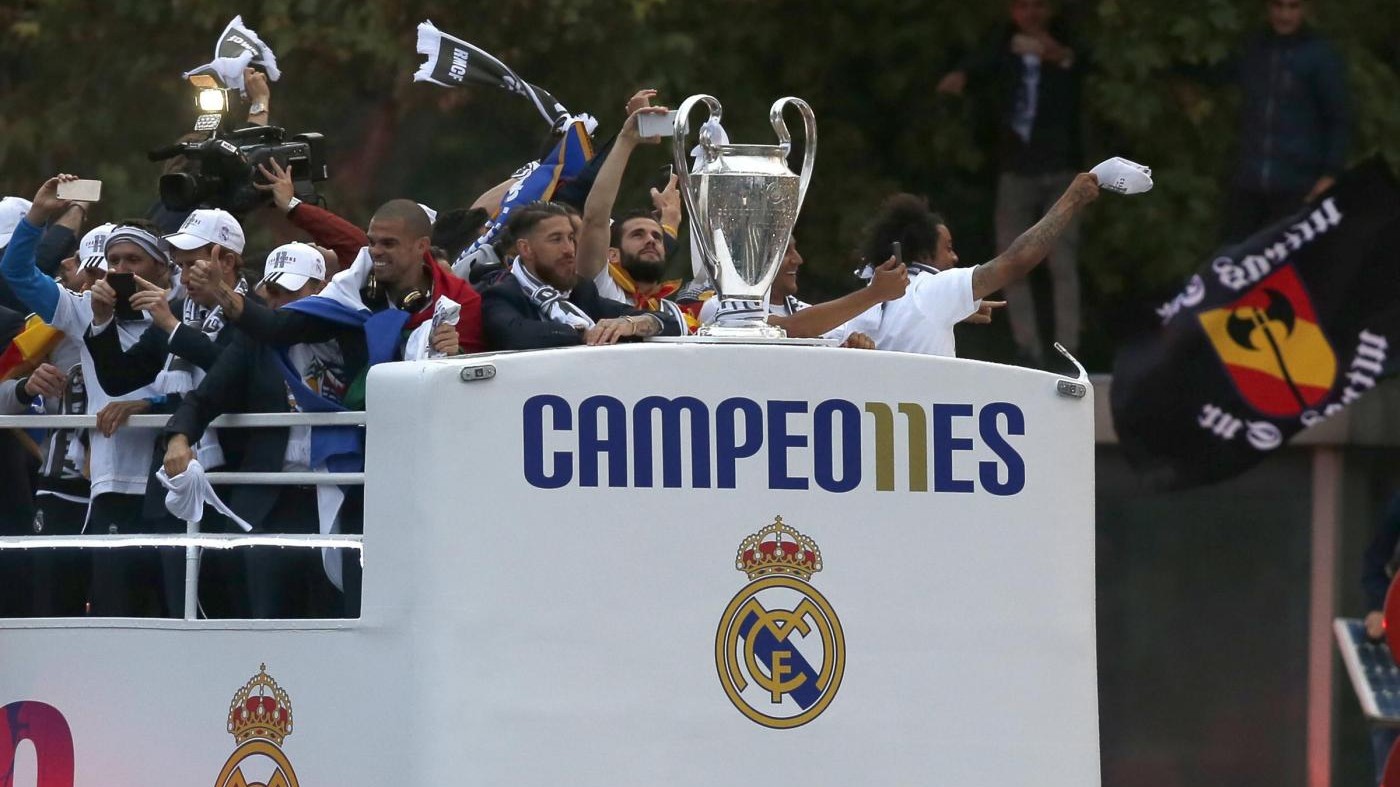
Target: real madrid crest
[
  {"x": 260, "y": 718},
  {"x": 779, "y": 649}
]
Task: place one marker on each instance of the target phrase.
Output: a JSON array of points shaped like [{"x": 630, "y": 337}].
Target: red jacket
[
  {"x": 469, "y": 332},
  {"x": 329, "y": 230}
]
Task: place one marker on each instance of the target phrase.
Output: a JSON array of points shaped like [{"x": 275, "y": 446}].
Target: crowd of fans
[{"x": 133, "y": 317}]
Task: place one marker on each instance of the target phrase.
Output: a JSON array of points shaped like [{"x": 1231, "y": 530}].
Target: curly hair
[{"x": 906, "y": 219}]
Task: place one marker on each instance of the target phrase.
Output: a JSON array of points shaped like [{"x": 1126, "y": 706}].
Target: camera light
[{"x": 212, "y": 100}]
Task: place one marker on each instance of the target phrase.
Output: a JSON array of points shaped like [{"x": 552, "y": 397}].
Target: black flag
[
  {"x": 453, "y": 62},
  {"x": 1274, "y": 334}
]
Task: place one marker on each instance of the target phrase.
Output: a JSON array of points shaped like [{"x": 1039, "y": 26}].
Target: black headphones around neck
[{"x": 412, "y": 301}]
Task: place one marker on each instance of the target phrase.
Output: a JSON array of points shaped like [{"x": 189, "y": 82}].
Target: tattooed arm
[{"x": 1027, "y": 251}]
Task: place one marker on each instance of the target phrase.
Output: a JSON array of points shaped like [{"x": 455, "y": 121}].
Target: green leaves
[{"x": 90, "y": 91}]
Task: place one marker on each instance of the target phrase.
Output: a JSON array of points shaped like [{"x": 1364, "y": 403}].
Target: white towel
[{"x": 190, "y": 491}]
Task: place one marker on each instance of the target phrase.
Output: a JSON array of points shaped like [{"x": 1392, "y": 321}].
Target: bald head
[{"x": 414, "y": 218}]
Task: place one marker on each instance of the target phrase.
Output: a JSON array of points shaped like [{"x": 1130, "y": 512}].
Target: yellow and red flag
[
  {"x": 1274, "y": 334},
  {"x": 29, "y": 348}
]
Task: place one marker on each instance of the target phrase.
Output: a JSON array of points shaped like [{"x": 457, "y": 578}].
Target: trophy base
[
  {"x": 790, "y": 342},
  {"x": 755, "y": 329}
]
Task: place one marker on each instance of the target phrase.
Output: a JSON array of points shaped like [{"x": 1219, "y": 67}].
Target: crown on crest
[
  {"x": 261, "y": 709},
  {"x": 778, "y": 549}
]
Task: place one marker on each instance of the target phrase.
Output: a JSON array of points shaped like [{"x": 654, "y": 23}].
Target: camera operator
[{"x": 119, "y": 459}]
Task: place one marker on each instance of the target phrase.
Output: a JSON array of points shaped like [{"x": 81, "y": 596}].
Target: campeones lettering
[{"x": 603, "y": 442}]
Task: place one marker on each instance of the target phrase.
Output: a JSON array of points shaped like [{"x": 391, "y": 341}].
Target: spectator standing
[
  {"x": 1037, "y": 77},
  {"x": 1294, "y": 123}
]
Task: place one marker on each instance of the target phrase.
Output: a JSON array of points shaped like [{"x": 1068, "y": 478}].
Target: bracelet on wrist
[{"x": 23, "y": 396}]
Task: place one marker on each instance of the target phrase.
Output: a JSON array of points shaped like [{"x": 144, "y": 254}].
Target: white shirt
[
  {"x": 922, "y": 320},
  {"x": 120, "y": 463}
]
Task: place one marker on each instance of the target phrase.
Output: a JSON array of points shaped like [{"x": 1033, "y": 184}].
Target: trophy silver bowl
[{"x": 743, "y": 203}]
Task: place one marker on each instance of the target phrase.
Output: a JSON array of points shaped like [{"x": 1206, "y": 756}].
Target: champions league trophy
[{"x": 743, "y": 203}]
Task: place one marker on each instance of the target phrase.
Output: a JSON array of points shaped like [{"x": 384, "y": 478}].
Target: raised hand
[
  {"x": 890, "y": 281},
  {"x": 1084, "y": 189},
  {"x": 642, "y": 98},
  {"x": 46, "y": 203},
  {"x": 152, "y": 298},
  {"x": 667, "y": 202},
  {"x": 629, "y": 133},
  {"x": 278, "y": 181}
]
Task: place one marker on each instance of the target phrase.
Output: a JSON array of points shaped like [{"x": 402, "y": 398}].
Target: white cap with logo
[
  {"x": 12, "y": 209},
  {"x": 92, "y": 250},
  {"x": 292, "y": 265},
  {"x": 206, "y": 226}
]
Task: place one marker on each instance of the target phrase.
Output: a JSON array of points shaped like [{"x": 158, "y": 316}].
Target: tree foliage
[{"x": 90, "y": 88}]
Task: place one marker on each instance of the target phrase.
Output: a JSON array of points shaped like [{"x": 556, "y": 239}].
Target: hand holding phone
[
  {"x": 80, "y": 190},
  {"x": 656, "y": 124},
  {"x": 125, "y": 286}
]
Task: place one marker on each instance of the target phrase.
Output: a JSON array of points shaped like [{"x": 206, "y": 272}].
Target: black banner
[
  {"x": 452, "y": 62},
  {"x": 1272, "y": 335}
]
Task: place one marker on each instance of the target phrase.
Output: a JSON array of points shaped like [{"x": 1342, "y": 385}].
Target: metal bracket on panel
[
  {"x": 472, "y": 374},
  {"x": 1077, "y": 388}
]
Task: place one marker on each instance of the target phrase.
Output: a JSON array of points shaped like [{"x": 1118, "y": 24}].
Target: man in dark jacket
[
  {"x": 1035, "y": 76},
  {"x": 544, "y": 302},
  {"x": 248, "y": 378},
  {"x": 1294, "y": 120}
]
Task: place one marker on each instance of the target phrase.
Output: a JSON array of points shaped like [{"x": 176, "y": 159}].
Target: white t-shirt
[
  {"x": 922, "y": 320},
  {"x": 120, "y": 463},
  {"x": 609, "y": 288}
]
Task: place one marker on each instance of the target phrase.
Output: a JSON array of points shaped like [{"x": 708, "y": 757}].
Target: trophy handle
[
  {"x": 809, "y": 146},
  {"x": 700, "y": 231}
]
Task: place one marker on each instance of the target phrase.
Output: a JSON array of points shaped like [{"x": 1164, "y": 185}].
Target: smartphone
[
  {"x": 663, "y": 177},
  {"x": 81, "y": 190},
  {"x": 898, "y": 253},
  {"x": 657, "y": 125},
  {"x": 125, "y": 285}
]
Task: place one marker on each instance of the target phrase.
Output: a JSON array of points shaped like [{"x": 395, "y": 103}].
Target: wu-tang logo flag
[
  {"x": 1273, "y": 335},
  {"x": 1273, "y": 347}
]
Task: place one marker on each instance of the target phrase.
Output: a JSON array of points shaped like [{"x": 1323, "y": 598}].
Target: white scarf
[
  {"x": 180, "y": 376},
  {"x": 188, "y": 492},
  {"x": 552, "y": 303}
]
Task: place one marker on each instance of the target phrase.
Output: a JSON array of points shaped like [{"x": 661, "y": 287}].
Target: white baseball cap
[
  {"x": 92, "y": 250},
  {"x": 292, "y": 265},
  {"x": 12, "y": 209},
  {"x": 206, "y": 226}
]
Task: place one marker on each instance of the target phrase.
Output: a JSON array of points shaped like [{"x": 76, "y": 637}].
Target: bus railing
[{"x": 193, "y": 541}]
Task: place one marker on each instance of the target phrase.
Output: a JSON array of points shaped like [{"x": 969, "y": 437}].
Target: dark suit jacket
[
  {"x": 122, "y": 371},
  {"x": 246, "y": 379},
  {"x": 513, "y": 322}
]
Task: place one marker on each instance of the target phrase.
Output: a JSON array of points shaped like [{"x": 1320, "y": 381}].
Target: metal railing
[{"x": 193, "y": 541}]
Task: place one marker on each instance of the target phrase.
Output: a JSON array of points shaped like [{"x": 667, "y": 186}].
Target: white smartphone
[
  {"x": 81, "y": 190},
  {"x": 657, "y": 124}
]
